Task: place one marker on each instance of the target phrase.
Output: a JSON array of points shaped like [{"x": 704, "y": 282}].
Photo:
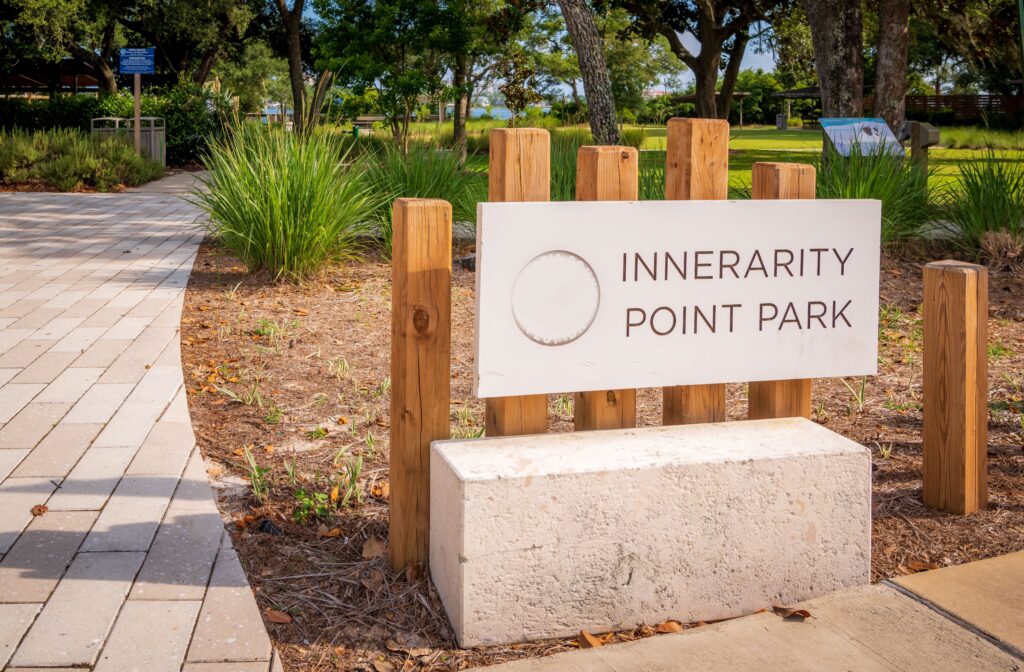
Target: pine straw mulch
[{"x": 299, "y": 374}]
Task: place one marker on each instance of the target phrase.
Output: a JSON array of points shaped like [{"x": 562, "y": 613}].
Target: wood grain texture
[
  {"x": 420, "y": 366},
  {"x": 606, "y": 173},
  {"x": 955, "y": 386},
  {"x": 696, "y": 168},
  {"x": 519, "y": 169},
  {"x": 781, "y": 398}
]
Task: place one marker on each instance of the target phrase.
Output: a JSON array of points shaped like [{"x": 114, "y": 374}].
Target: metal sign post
[{"x": 138, "y": 62}]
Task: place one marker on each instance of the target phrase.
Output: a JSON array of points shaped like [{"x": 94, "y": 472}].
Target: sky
[{"x": 751, "y": 59}]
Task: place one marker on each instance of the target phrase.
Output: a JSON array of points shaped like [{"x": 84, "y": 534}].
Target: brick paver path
[{"x": 130, "y": 568}]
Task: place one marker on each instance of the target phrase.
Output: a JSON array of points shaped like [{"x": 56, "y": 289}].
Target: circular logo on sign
[{"x": 555, "y": 298}]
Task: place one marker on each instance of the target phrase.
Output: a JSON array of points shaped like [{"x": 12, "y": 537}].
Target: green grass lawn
[{"x": 748, "y": 146}]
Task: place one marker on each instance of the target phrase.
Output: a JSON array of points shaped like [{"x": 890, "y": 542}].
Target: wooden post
[
  {"x": 138, "y": 113},
  {"x": 606, "y": 174},
  {"x": 696, "y": 168},
  {"x": 955, "y": 386},
  {"x": 781, "y": 398},
  {"x": 421, "y": 278},
  {"x": 519, "y": 169}
]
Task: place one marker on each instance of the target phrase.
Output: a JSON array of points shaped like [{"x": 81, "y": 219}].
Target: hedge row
[{"x": 193, "y": 115}]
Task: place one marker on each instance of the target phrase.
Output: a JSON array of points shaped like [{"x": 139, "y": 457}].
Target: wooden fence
[
  {"x": 968, "y": 107},
  {"x": 696, "y": 167}
]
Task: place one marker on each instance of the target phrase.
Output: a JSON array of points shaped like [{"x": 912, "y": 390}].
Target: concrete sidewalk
[
  {"x": 883, "y": 627},
  {"x": 129, "y": 566}
]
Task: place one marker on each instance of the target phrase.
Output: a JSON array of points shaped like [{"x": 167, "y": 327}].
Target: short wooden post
[
  {"x": 421, "y": 279},
  {"x": 781, "y": 398},
  {"x": 955, "y": 386},
  {"x": 696, "y": 168},
  {"x": 606, "y": 174},
  {"x": 519, "y": 169}
]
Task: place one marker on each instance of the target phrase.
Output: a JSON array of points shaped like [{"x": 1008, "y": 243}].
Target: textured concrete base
[{"x": 542, "y": 536}]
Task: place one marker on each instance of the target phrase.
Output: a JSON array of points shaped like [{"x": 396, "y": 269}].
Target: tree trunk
[
  {"x": 705, "y": 77},
  {"x": 205, "y": 66},
  {"x": 836, "y": 27},
  {"x": 292, "y": 24},
  {"x": 891, "y": 68},
  {"x": 458, "y": 114},
  {"x": 596, "y": 83},
  {"x": 575, "y": 94},
  {"x": 732, "y": 72}
]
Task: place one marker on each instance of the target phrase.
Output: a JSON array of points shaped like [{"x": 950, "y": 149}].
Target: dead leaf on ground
[
  {"x": 335, "y": 493},
  {"x": 668, "y": 626},
  {"x": 790, "y": 612},
  {"x": 374, "y": 580},
  {"x": 589, "y": 641},
  {"x": 322, "y": 531},
  {"x": 383, "y": 666},
  {"x": 408, "y": 665},
  {"x": 921, "y": 566},
  {"x": 381, "y": 490},
  {"x": 281, "y": 617},
  {"x": 413, "y": 572},
  {"x": 39, "y": 509},
  {"x": 374, "y": 547},
  {"x": 244, "y": 522},
  {"x": 301, "y": 311}
]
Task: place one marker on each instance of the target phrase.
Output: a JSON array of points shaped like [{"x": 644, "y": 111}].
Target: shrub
[
  {"x": 988, "y": 196},
  {"x": 67, "y": 159},
  {"x": 427, "y": 171},
  {"x": 902, "y": 188},
  {"x": 284, "y": 203},
  {"x": 191, "y": 113}
]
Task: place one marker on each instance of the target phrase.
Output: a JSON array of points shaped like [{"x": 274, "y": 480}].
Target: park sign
[
  {"x": 868, "y": 136},
  {"x": 580, "y": 296},
  {"x": 138, "y": 61}
]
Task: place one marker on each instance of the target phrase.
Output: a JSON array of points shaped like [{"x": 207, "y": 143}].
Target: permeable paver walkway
[{"x": 129, "y": 567}]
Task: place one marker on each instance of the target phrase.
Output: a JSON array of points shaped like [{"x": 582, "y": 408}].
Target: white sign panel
[{"x": 580, "y": 296}]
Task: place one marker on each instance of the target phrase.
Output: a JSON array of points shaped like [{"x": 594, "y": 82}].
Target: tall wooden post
[
  {"x": 138, "y": 113},
  {"x": 606, "y": 174},
  {"x": 519, "y": 169},
  {"x": 955, "y": 386},
  {"x": 421, "y": 278},
  {"x": 781, "y": 398},
  {"x": 696, "y": 168}
]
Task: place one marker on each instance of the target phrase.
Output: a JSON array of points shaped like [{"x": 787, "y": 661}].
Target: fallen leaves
[
  {"x": 381, "y": 490},
  {"x": 323, "y": 532},
  {"x": 668, "y": 627},
  {"x": 589, "y": 641},
  {"x": 791, "y": 613},
  {"x": 373, "y": 548},
  {"x": 39, "y": 509},
  {"x": 915, "y": 566},
  {"x": 279, "y": 617}
]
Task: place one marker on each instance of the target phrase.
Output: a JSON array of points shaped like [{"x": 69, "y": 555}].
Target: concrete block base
[{"x": 542, "y": 536}]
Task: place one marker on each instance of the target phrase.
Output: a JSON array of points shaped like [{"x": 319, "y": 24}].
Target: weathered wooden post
[
  {"x": 421, "y": 277},
  {"x": 696, "y": 168},
  {"x": 519, "y": 169},
  {"x": 955, "y": 386},
  {"x": 606, "y": 174},
  {"x": 781, "y": 398}
]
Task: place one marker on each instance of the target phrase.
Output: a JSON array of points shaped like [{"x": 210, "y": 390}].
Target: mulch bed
[{"x": 298, "y": 378}]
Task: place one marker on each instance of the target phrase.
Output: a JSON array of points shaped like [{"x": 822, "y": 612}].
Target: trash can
[
  {"x": 781, "y": 122},
  {"x": 355, "y": 131},
  {"x": 154, "y": 137},
  {"x": 153, "y": 134}
]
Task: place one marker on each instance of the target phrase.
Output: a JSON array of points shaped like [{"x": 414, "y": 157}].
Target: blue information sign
[{"x": 140, "y": 61}]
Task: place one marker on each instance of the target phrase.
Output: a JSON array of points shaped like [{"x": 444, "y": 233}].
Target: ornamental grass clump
[
  {"x": 986, "y": 198},
  {"x": 426, "y": 171},
  {"x": 284, "y": 203},
  {"x": 900, "y": 186}
]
